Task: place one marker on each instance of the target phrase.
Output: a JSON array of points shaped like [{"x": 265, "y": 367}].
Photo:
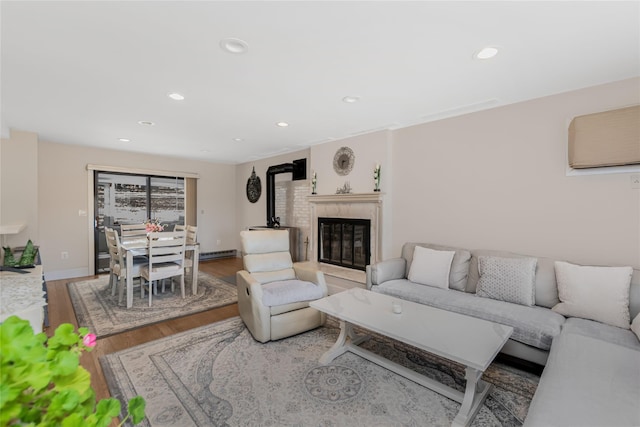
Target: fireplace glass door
[{"x": 344, "y": 242}]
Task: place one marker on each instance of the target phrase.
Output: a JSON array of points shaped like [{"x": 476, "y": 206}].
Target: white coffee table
[{"x": 471, "y": 342}]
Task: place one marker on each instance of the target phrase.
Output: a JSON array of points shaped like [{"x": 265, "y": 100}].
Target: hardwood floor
[{"x": 61, "y": 311}]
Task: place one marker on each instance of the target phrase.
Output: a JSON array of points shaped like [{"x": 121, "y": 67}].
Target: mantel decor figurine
[
  {"x": 376, "y": 178},
  {"x": 314, "y": 181},
  {"x": 346, "y": 189}
]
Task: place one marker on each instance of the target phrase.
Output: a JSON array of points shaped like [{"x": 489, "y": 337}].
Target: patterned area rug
[
  {"x": 97, "y": 310},
  {"x": 219, "y": 375}
]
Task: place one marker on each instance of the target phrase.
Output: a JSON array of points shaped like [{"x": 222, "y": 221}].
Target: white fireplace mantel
[{"x": 346, "y": 198}]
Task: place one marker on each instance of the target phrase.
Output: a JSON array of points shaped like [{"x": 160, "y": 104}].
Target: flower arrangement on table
[
  {"x": 43, "y": 383},
  {"x": 153, "y": 225}
]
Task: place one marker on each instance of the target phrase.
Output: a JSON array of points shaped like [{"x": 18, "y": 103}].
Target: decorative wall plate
[
  {"x": 254, "y": 187},
  {"x": 343, "y": 161}
]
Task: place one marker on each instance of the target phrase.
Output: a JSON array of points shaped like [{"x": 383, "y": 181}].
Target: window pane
[
  {"x": 167, "y": 200},
  {"x": 122, "y": 199}
]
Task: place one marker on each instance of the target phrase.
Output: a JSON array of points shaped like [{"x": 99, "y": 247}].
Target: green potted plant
[{"x": 43, "y": 384}]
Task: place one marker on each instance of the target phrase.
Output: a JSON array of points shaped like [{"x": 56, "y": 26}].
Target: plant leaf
[
  {"x": 65, "y": 402},
  {"x": 136, "y": 408},
  {"x": 80, "y": 381},
  {"x": 74, "y": 420},
  {"x": 63, "y": 336},
  {"x": 109, "y": 407},
  {"x": 65, "y": 363},
  {"x": 9, "y": 412}
]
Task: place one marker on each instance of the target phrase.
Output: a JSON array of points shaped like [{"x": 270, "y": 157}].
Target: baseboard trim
[{"x": 66, "y": 274}]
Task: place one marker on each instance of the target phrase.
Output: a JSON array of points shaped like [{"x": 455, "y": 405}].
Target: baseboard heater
[{"x": 218, "y": 254}]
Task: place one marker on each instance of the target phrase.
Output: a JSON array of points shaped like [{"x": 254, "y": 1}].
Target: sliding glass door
[{"x": 131, "y": 199}]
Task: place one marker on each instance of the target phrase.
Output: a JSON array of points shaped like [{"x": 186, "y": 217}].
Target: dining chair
[
  {"x": 190, "y": 239},
  {"x": 131, "y": 231},
  {"x": 191, "y": 230},
  {"x": 118, "y": 265},
  {"x": 166, "y": 260}
]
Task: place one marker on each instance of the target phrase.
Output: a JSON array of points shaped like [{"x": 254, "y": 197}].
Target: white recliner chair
[{"x": 273, "y": 292}]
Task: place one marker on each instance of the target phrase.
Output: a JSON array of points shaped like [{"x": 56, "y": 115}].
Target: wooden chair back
[
  {"x": 191, "y": 230},
  {"x": 132, "y": 231},
  {"x": 166, "y": 254}
]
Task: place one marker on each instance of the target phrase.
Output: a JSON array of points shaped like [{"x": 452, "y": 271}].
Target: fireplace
[
  {"x": 342, "y": 275},
  {"x": 344, "y": 242}
]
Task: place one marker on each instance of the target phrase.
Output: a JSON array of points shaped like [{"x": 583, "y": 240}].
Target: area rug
[
  {"x": 99, "y": 311},
  {"x": 218, "y": 375}
]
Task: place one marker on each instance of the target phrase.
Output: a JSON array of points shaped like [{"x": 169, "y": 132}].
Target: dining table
[{"x": 137, "y": 246}]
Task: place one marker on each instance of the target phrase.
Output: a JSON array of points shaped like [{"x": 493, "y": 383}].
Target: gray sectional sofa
[{"x": 592, "y": 370}]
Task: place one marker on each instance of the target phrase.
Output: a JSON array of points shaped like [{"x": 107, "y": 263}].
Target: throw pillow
[
  {"x": 595, "y": 293},
  {"x": 507, "y": 279},
  {"x": 431, "y": 267},
  {"x": 635, "y": 326}
]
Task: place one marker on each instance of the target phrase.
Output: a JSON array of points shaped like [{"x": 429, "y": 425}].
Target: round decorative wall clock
[
  {"x": 343, "y": 161},
  {"x": 254, "y": 187}
]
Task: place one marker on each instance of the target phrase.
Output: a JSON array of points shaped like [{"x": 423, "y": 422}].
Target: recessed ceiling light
[
  {"x": 175, "y": 96},
  {"x": 282, "y": 124},
  {"x": 487, "y": 52},
  {"x": 124, "y": 140},
  {"x": 146, "y": 123},
  {"x": 233, "y": 45},
  {"x": 238, "y": 139},
  {"x": 350, "y": 99}
]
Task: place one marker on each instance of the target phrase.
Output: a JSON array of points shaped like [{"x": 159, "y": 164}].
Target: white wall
[
  {"x": 369, "y": 150},
  {"x": 19, "y": 186},
  {"x": 494, "y": 179},
  {"x": 497, "y": 179},
  {"x": 63, "y": 191},
  {"x": 255, "y": 214}
]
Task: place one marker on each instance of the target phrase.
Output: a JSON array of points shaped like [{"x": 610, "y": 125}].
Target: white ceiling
[{"x": 87, "y": 72}]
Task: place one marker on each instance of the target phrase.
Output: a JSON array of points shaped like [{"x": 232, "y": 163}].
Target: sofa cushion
[
  {"x": 459, "y": 265},
  {"x": 634, "y": 294},
  {"x": 289, "y": 291},
  {"x": 635, "y": 326},
  {"x": 596, "y": 293},
  {"x": 608, "y": 333},
  {"x": 587, "y": 382},
  {"x": 431, "y": 267},
  {"x": 546, "y": 287},
  {"x": 507, "y": 279},
  {"x": 535, "y": 326}
]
